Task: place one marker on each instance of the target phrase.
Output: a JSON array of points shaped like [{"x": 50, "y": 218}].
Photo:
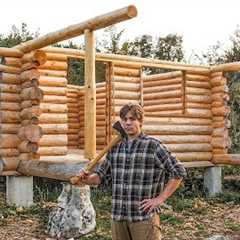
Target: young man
[{"x": 137, "y": 168}]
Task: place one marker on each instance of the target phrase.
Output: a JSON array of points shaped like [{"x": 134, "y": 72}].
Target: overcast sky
[{"x": 201, "y": 22}]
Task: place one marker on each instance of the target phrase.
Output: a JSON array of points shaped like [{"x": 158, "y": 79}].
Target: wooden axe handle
[{"x": 88, "y": 168}]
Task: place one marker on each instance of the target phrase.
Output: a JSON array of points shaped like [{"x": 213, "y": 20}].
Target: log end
[{"x": 132, "y": 11}]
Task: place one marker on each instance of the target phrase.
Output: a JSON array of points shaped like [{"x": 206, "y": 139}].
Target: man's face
[{"x": 131, "y": 125}]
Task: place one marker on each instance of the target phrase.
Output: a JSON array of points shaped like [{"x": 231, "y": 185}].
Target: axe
[{"x": 88, "y": 168}]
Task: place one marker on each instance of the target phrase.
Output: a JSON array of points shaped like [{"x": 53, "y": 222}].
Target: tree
[
  {"x": 16, "y": 36},
  {"x": 169, "y": 48}
]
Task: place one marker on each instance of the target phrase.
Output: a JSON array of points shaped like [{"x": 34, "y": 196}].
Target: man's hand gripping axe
[{"x": 89, "y": 167}]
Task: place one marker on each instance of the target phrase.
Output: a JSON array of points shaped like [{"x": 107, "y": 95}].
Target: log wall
[{"x": 10, "y": 88}]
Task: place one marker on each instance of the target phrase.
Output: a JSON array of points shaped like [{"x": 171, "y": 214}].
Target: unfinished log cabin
[{"x": 45, "y": 120}]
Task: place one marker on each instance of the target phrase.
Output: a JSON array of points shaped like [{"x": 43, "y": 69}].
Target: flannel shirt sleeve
[
  {"x": 173, "y": 167},
  {"x": 104, "y": 170}
]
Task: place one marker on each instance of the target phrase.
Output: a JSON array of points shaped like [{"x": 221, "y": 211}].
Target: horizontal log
[
  {"x": 121, "y": 102},
  {"x": 31, "y": 133},
  {"x": 29, "y": 75},
  {"x": 52, "y": 81},
  {"x": 167, "y": 82},
  {"x": 219, "y": 103},
  {"x": 54, "y": 65},
  {"x": 52, "y": 151},
  {"x": 28, "y": 157},
  {"x": 55, "y": 167},
  {"x": 29, "y": 103},
  {"x": 221, "y": 111},
  {"x": 10, "y": 117},
  {"x": 9, "y": 69},
  {"x": 197, "y": 91},
  {"x": 198, "y": 105},
  {"x": 222, "y": 88},
  {"x": 57, "y": 57},
  {"x": 39, "y": 57},
  {"x": 220, "y": 132},
  {"x": 158, "y": 101},
  {"x": 177, "y": 130},
  {"x": 161, "y": 89},
  {"x": 9, "y": 141},
  {"x": 54, "y": 128},
  {"x": 176, "y": 121},
  {"x": 10, "y": 52},
  {"x": 10, "y": 106},
  {"x": 218, "y": 81},
  {"x": 10, "y": 97},
  {"x": 53, "y": 118},
  {"x": 220, "y": 151},
  {"x": 52, "y": 73},
  {"x": 232, "y": 159},
  {"x": 170, "y": 113},
  {"x": 190, "y": 147},
  {"x": 220, "y": 96},
  {"x": 126, "y": 79},
  {"x": 9, "y": 128},
  {"x": 228, "y": 67},
  {"x": 194, "y": 156},
  {"x": 53, "y": 108},
  {"x": 10, "y": 88},
  {"x": 198, "y": 164},
  {"x": 198, "y": 113},
  {"x": 98, "y": 22},
  {"x": 12, "y": 61},
  {"x": 198, "y": 98},
  {"x": 183, "y": 138},
  {"x": 221, "y": 142},
  {"x": 9, "y": 152},
  {"x": 162, "y": 76},
  {"x": 53, "y": 140},
  {"x": 199, "y": 84},
  {"x": 31, "y": 93},
  {"x": 32, "y": 112},
  {"x": 197, "y": 77},
  {"x": 9, "y": 78},
  {"x": 27, "y": 147},
  {"x": 55, "y": 99},
  {"x": 59, "y": 91},
  {"x": 73, "y": 137},
  {"x": 126, "y": 72},
  {"x": 9, "y": 163},
  {"x": 131, "y": 87},
  {"x": 160, "y": 95},
  {"x": 72, "y": 131},
  {"x": 163, "y": 107}
]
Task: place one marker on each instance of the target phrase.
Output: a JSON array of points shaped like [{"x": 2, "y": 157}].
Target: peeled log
[
  {"x": 190, "y": 147},
  {"x": 9, "y": 78},
  {"x": 53, "y": 140},
  {"x": 178, "y": 139},
  {"x": 32, "y": 133},
  {"x": 55, "y": 128},
  {"x": 232, "y": 159},
  {"x": 39, "y": 57},
  {"x": 9, "y": 141},
  {"x": 27, "y": 147},
  {"x": 9, "y": 152},
  {"x": 10, "y": 88},
  {"x": 194, "y": 156},
  {"x": 177, "y": 130},
  {"x": 29, "y": 113},
  {"x": 52, "y": 151},
  {"x": 221, "y": 111},
  {"x": 53, "y": 118},
  {"x": 10, "y": 106},
  {"x": 54, "y": 108},
  {"x": 9, "y": 69},
  {"x": 32, "y": 93},
  {"x": 10, "y": 117},
  {"x": 9, "y": 128},
  {"x": 78, "y": 29},
  {"x": 10, "y": 97},
  {"x": 29, "y": 75},
  {"x": 168, "y": 82}
]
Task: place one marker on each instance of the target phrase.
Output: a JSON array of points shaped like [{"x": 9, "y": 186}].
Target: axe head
[{"x": 118, "y": 127}]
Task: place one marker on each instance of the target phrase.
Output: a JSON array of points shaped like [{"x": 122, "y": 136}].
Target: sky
[{"x": 201, "y": 22}]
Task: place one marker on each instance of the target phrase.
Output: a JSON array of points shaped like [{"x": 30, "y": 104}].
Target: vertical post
[
  {"x": 213, "y": 180},
  {"x": 19, "y": 191},
  {"x": 90, "y": 97}
]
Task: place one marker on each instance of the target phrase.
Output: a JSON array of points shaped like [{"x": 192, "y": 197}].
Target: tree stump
[{"x": 74, "y": 215}]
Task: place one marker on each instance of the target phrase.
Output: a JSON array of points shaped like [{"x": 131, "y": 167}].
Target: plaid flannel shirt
[{"x": 137, "y": 172}]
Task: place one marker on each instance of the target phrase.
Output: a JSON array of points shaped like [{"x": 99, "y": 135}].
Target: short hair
[{"x": 135, "y": 109}]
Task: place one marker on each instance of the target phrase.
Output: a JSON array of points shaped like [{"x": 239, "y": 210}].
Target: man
[{"x": 137, "y": 168}]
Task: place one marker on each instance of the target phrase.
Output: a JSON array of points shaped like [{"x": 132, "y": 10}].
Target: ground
[{"x": 192, "y": 219}]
